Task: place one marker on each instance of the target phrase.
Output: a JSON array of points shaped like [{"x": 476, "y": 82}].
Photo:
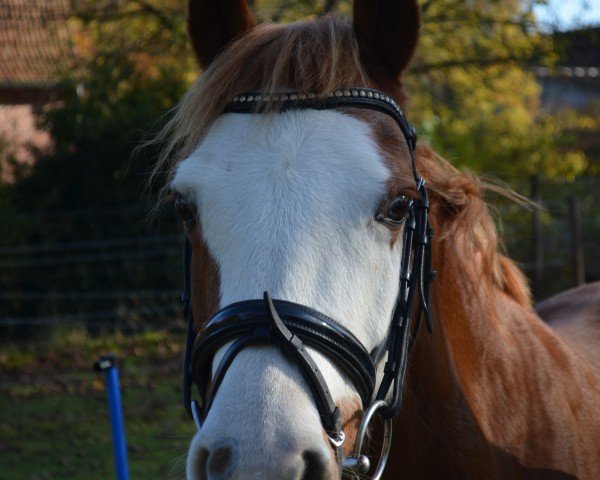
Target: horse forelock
[{"x": 318, "y": 56}]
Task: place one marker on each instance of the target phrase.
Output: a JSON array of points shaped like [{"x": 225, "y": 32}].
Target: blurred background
[{"x": 507, "y": 88}]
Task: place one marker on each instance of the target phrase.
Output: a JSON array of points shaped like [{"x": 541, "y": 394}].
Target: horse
[{"x": 312, "y": 205}]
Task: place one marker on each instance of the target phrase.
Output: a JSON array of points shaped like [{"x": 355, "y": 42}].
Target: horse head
[{"x": 299, "y": 190}]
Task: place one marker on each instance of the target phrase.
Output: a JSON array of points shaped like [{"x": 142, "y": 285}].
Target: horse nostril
[
  {"x": 219, "y": 462},
  {"x": 200, "y": 471},
  {"x": 315, "y": 466}
]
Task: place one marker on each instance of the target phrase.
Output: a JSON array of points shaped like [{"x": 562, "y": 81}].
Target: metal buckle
[
  {"x": 359, "y": 463},
  {"x": 339, "y": 441}
]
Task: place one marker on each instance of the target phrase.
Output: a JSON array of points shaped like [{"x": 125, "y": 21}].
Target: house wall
[
  {"x": 561, "y": 93},
  {"x": 20, "y": 134}
]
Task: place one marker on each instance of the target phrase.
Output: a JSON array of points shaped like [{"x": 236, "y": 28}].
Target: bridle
[{"x": 293, "y": 327}]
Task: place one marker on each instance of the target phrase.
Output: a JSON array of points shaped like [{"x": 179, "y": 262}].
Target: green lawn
[{"x": 54, "y": 421}]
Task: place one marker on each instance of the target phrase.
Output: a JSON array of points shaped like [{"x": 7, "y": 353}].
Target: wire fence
[
  {"x": 133, "y": 281},
  {"x": 96, "y": 268},
  {"x": 549, "y": 243}
]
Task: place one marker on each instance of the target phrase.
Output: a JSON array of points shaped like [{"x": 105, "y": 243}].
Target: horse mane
[
  {"x": 463, "y": 221},
  {"x": 319, "y": 57}
]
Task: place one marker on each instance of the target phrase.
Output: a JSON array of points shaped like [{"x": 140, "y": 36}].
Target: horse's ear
[
  {"x": 212, "y": 24},
  {"x": 387, "y": 32}
]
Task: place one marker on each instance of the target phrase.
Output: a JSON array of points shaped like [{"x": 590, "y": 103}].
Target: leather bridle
[{"x": 293, "y": 327}]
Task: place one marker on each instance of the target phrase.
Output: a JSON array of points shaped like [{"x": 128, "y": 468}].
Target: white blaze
[{"x": 286, "y": 203}]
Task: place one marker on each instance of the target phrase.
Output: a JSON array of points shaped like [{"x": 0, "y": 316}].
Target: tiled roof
[
  {"x": 579, "y": 58},
  {"x": 34, "y": 41},
  {"x": 579, "y": 47}
]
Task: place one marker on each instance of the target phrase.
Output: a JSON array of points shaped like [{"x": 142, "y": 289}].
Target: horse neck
[{"x": 487, "y": 387}]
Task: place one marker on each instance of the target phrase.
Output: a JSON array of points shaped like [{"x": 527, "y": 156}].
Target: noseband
[{"x": 293, "y": 327}]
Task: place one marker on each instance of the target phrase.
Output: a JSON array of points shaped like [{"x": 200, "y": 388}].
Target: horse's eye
[
  {"x": 395, "y": 211},
  {"x": 184, "y": 209}
]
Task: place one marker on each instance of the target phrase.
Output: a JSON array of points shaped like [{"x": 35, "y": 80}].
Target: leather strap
[
  {"x": 273, "y": 331},
  {"x": 329, "y": 412},
  {"x": 354, "y": 97},
  {"x": 309, "y": 326}
]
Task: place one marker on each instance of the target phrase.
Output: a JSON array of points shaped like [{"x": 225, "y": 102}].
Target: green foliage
[
  {"x": 293, "y": 10},
  {"x": 125, "y": 80},
  {"x": 499, "y": 130},
  {"x": 91, "y": 187},
  {"x": 475, "y": 98},
  {"x": 133, "y": 63},
  {"x": 95, "y": 133},
  {"x": 473, "y": 95}
]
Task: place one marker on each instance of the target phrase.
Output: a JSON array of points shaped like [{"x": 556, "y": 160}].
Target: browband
[{"x": 351, "y": 97}]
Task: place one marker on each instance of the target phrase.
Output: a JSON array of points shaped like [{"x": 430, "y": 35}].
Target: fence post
[
  {"x": 107, "y": 365},
  {"x": 537, "y": 241},
  {"x": 577, "y": 263}
]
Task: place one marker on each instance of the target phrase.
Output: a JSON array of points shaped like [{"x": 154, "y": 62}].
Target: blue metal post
[{"x": 108, "y": 366}]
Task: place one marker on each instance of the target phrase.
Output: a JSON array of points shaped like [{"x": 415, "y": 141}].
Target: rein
[{"x": 293, "y": 327}]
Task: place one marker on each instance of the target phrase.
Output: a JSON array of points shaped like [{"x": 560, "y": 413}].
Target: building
[
  {"x": 35, "y": 48},
  {"x": 574, "y": 83}
]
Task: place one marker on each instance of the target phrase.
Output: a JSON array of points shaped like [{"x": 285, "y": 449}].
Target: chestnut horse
[{"x": 288, "y": 202}]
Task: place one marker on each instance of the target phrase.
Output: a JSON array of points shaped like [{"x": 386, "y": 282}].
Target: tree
[
  {"x": 77, "y": 216},
  {"x": 473, "y": 93},
  {"x": 476, "y": 97}
]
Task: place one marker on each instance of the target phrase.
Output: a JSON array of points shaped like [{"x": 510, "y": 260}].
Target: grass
[{"x": 54, "y": 413}]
